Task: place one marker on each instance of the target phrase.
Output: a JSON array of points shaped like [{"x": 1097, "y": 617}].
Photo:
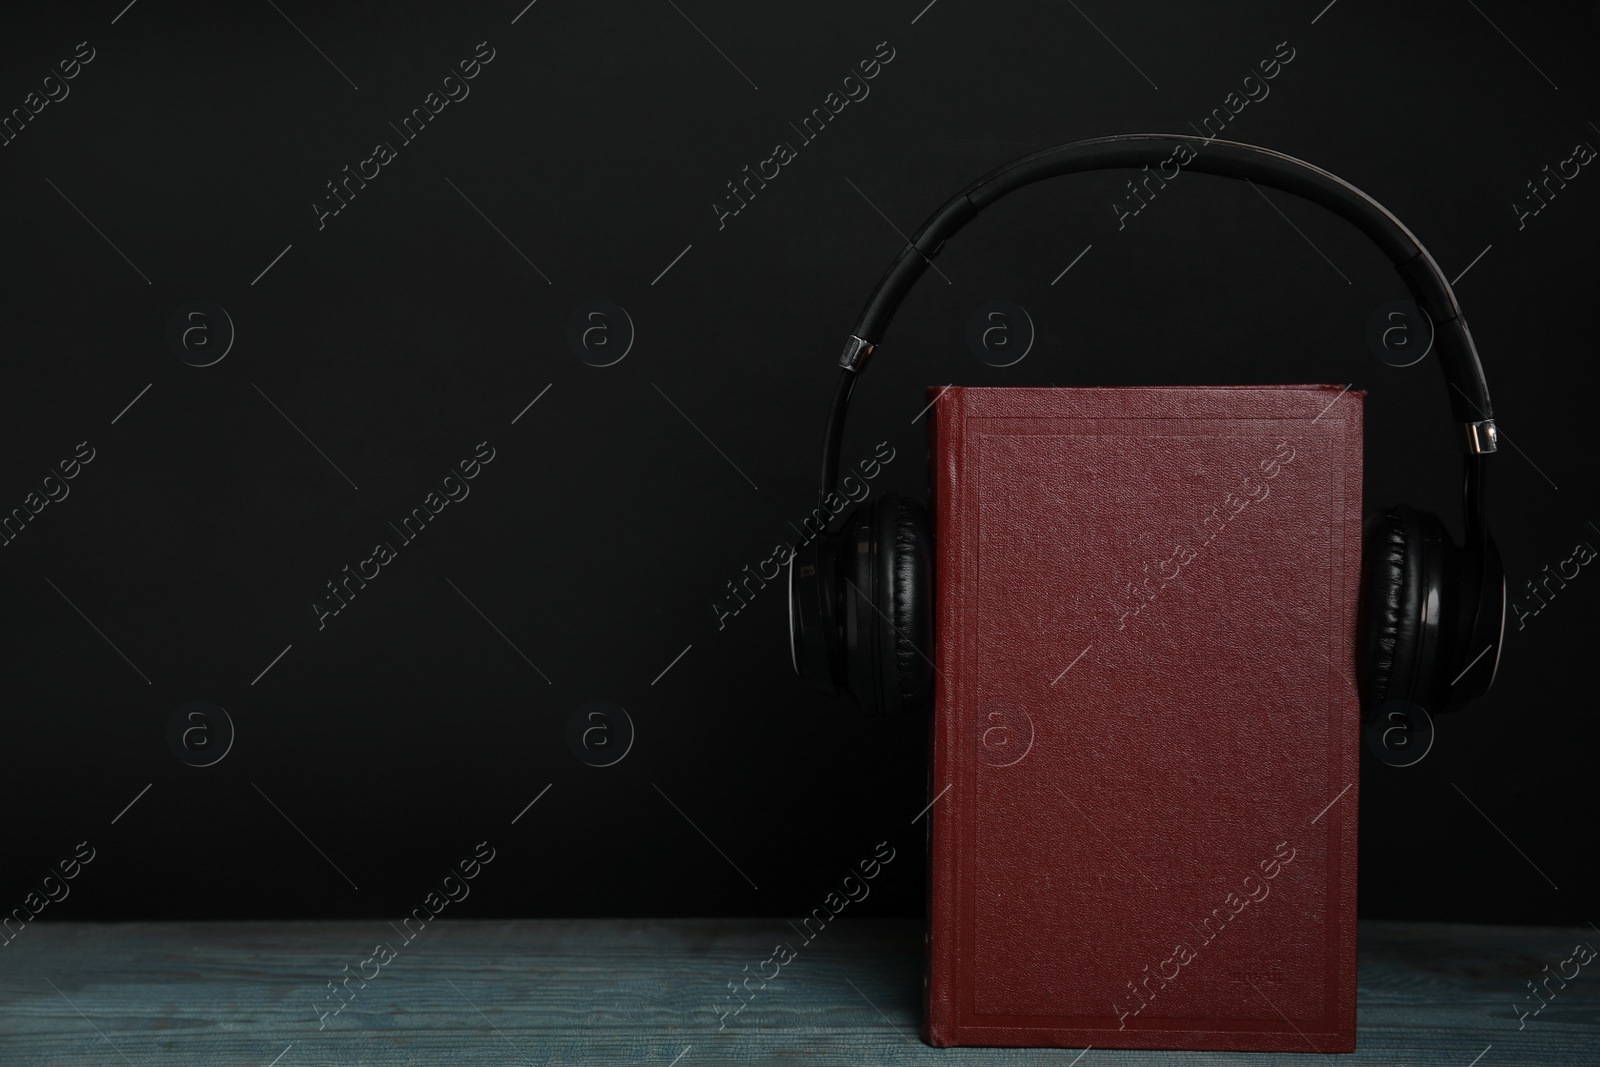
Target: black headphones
[{"x": 1432, "y": 616}]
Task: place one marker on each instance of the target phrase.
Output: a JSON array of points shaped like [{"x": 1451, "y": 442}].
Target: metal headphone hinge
[
  {"x": 1482, "y": 437},
  {"x": 855, "y": 354}
]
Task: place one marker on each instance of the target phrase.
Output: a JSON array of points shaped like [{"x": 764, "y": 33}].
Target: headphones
[{"x": 1432, "y": 614}]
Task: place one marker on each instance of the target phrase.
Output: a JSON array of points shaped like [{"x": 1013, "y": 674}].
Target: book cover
[{"x": 1146, "y": 725}]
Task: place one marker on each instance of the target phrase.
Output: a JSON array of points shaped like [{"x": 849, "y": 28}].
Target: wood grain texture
[{"x": 648, "y": 991}]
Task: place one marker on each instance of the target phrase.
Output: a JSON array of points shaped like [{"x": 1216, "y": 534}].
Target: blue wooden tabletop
[{"x": 557, "y": 992}]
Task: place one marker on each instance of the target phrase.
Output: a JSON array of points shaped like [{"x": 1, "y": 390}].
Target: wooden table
[{"x": 647, "y": 992}]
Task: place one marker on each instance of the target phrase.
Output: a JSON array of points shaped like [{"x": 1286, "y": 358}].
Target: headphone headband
[{"x": 1458, "y": 356}]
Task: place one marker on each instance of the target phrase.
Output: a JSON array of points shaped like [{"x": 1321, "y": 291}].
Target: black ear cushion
[
  {"x": 908, "y": 584},
  {"x": 1386, "y": 614}
]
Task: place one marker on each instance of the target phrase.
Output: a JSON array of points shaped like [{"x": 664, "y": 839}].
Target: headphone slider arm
[
  {"x": 854, "y": 356},
  {"x": 1482, "y": 437}
]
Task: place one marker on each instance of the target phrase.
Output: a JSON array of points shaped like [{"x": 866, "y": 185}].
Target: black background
[{"x": 408, "y": 329}]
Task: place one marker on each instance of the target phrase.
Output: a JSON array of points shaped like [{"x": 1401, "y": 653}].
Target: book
[{"x": 1146, "y": 725}]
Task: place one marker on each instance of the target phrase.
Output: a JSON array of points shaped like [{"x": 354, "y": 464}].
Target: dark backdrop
[{"x": 383, "y": 343}]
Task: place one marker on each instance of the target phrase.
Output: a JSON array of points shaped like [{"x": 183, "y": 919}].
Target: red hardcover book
[{"x": 1146, "y": 728}]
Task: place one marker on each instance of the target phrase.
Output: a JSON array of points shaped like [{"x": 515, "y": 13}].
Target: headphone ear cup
[
  {"x": 1412, "y": 594},
  {"x": 1384, "y": 603},
  {"x": 816, "y": 608},
  {"x": 908, "y": 581},
  {"x": 885, "y": 556},
  {"x": 1482, "y": 623}
]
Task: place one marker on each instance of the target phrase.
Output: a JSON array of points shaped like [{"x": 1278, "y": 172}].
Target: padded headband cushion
[{"x": 1457, "y": 354}]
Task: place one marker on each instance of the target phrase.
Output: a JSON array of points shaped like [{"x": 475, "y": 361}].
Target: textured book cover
[{"x": 1146, "y": 725}]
